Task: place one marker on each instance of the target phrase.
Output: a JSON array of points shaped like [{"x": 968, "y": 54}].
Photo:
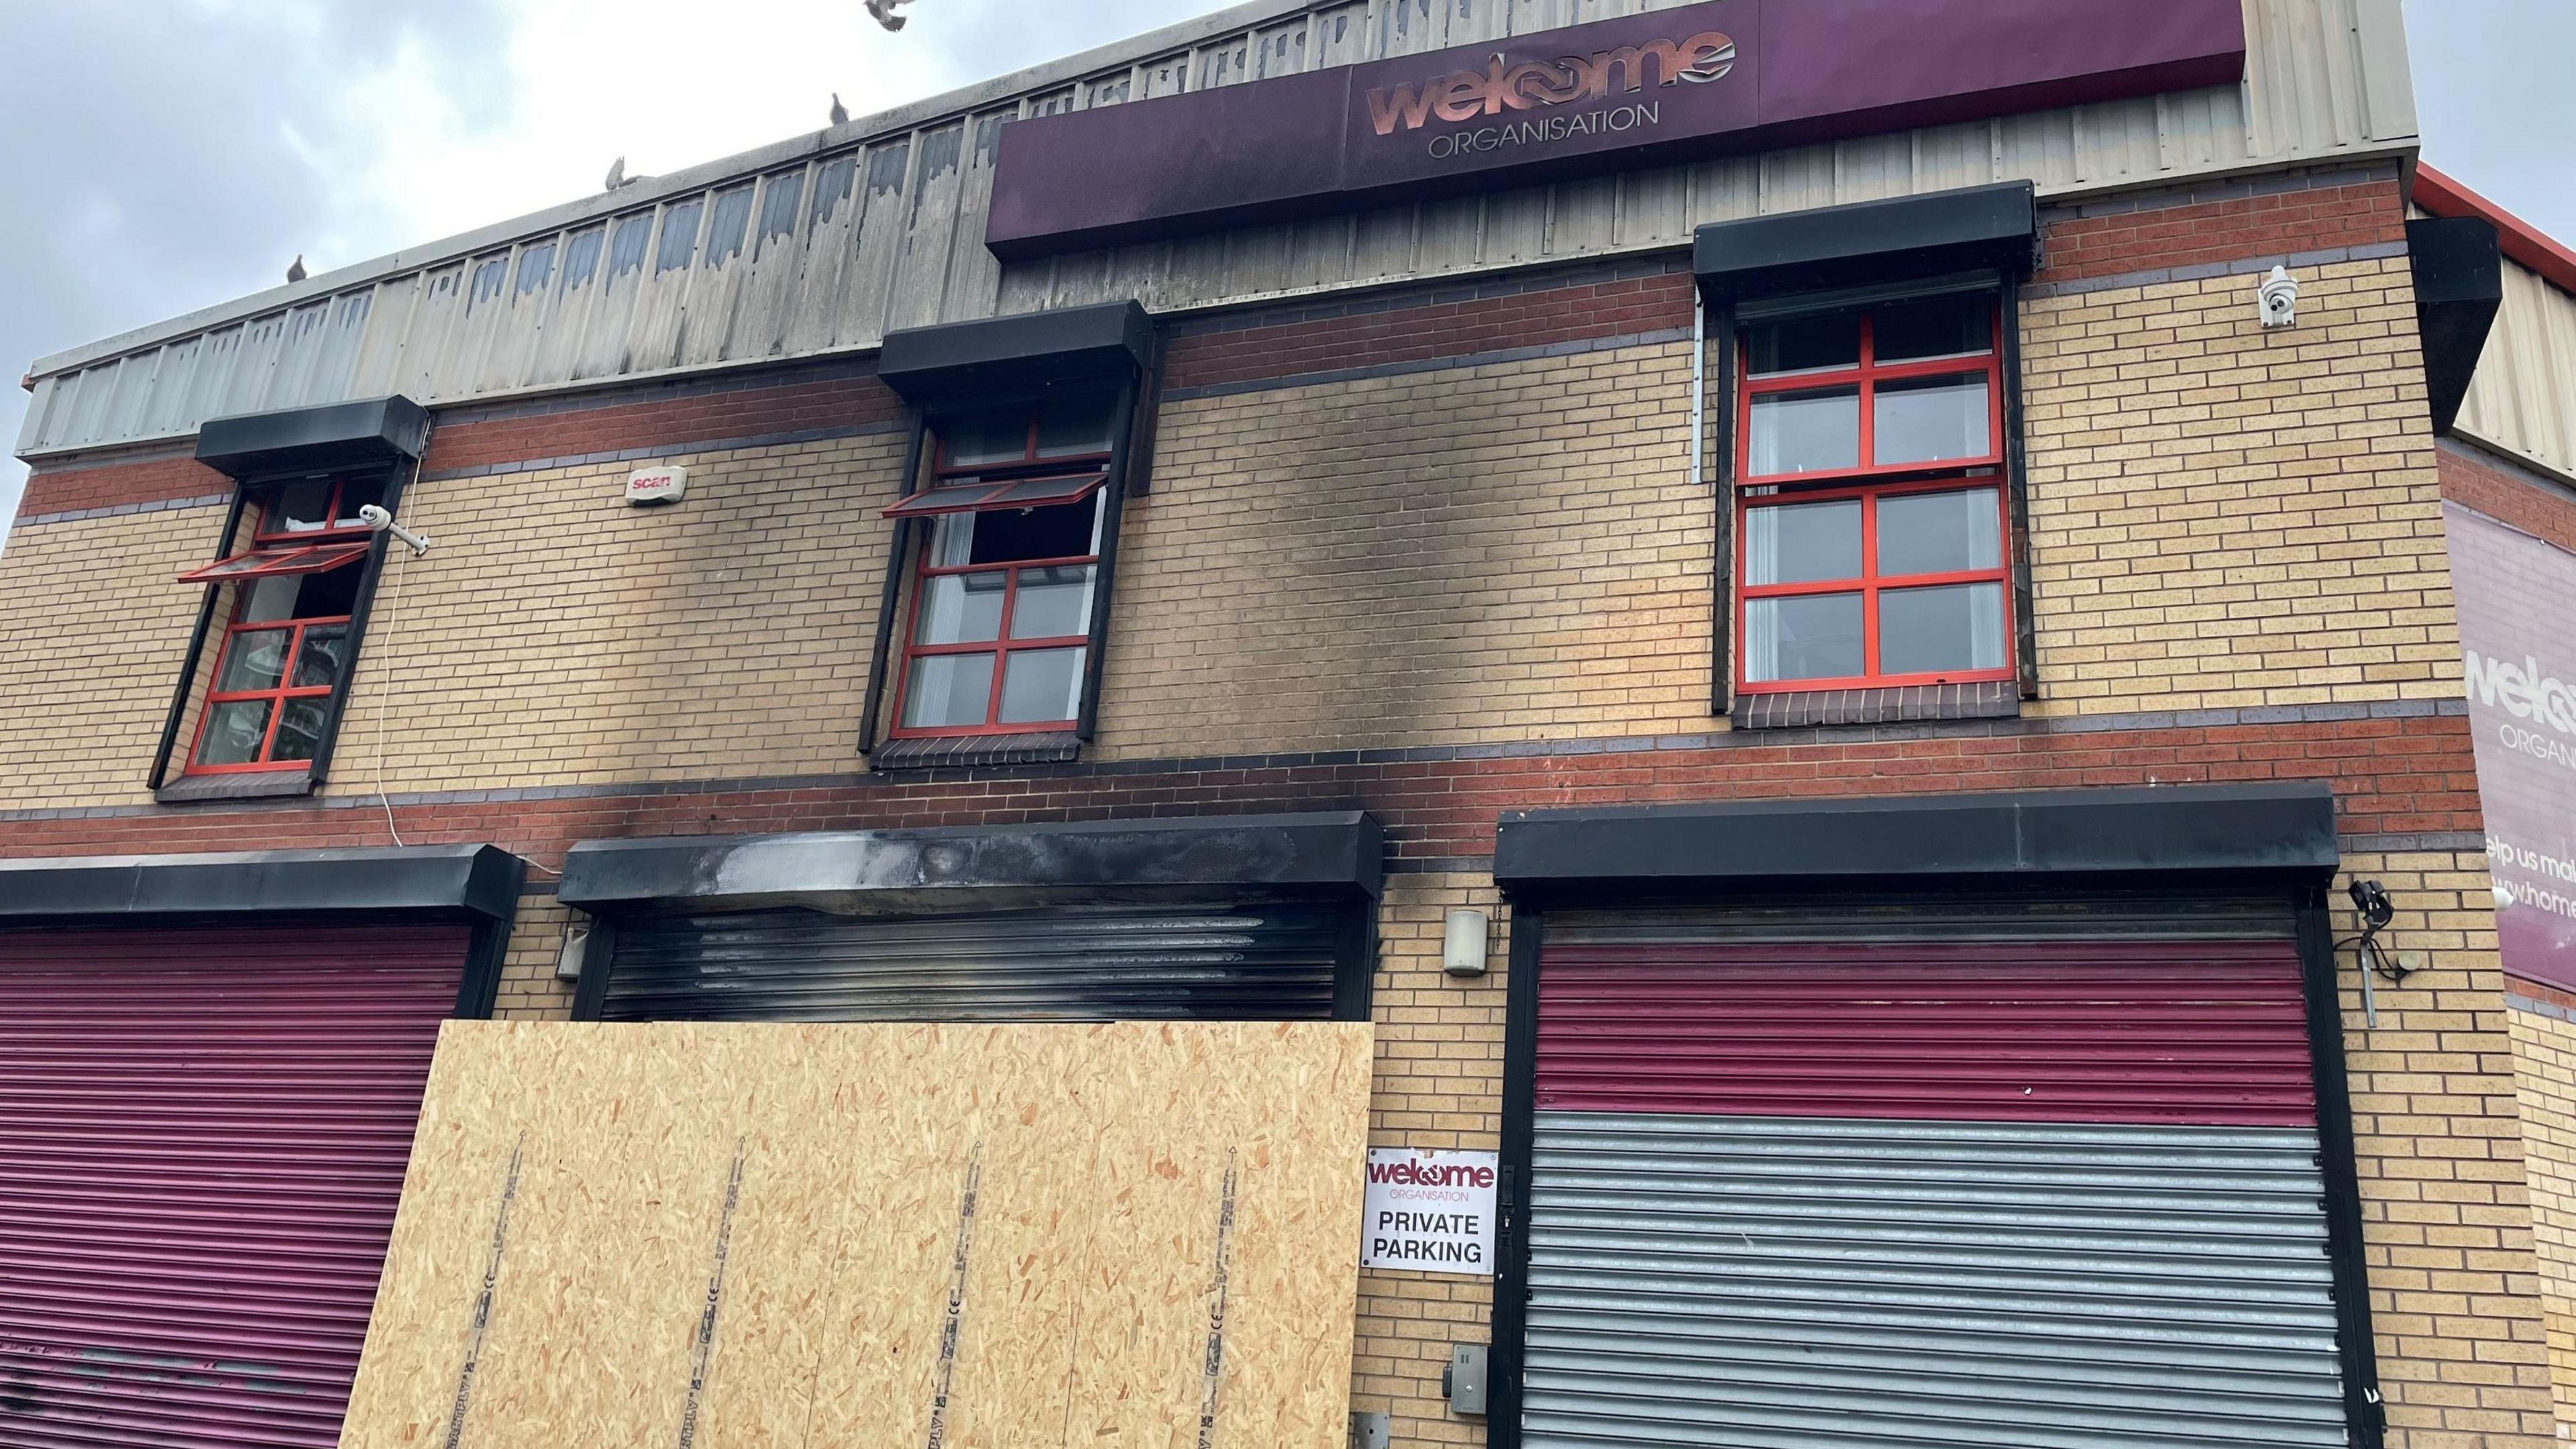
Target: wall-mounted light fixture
[
  {"x": 576, "y": 952},
  {"x": 1464, "y": 945}
]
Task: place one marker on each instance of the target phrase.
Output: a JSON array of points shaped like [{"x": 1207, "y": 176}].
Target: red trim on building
[
  {"x": 2542, "y": 510},
  {"x": 118, "y": 484},
  {"x": 1431, "y": 329},
  {"x": 617, "y": 422},
  {"x": 2282, "y": 223},
  {"x": 2391, "y": 776},
  {"x": 2203, "y": 1032},
  {"x": 2521, "y": 241}
]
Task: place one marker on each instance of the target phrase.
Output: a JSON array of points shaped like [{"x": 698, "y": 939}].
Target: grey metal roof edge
[
  {"x": 1320, "y": 850},
  {"x": 2280, "y": 828},
  {"x": 962, "y": 101},
  {"x": 481, "y": 879}
]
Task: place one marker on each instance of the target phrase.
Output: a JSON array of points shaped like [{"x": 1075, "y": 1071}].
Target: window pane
[
  {"x": 1015, "y": 535},
  {"x": 329, "y": 596},
  {"x": 1054, "y": 604},
  {"x": 1932, "y": 420},
  {"x": 961, "y": 609},
  {"x": 1939, "y": 533},
  {"x": 318, "y": 662},
  {"x": 1935, "y": 327},
  {"x": 1801, "y": 543},
  {"x": 1926, "y": 631},
  {"x": 1072, "y": 425},
  {"x": 952, "y": 540},
  {"x": 353, "y": 497},
  {"x": 299, "y": 729},
  {"x": 996, "y": 435},
  {"x": 1805, "y": 342},
  {"x": 300, "y": 506},
  {"x": 1809, "y": 638},
  {"x": 1042, "y": 685},
  {"x": 948, "y": 691},
  {"x": 254, "y": 661},
  {"x": 1804, "y": 432},
  {"x": 273, "y": 599},
  {"x": 234, "y": 733}
]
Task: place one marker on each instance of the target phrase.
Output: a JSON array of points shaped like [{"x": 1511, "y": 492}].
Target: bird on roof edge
[
  {"x": 295, "y": 270},
  {"x": 884, "y": 11},
  {"x": 840, "y": 113}
]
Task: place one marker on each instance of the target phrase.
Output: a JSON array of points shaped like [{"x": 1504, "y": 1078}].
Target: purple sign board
[
  {"x": 1701, "y": 80},
  {"x": 2517, "y": 604}
]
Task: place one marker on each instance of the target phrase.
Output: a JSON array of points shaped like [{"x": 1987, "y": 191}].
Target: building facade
[{"x": 1776, "y": 603}]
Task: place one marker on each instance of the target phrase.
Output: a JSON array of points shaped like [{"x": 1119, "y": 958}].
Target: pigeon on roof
[
  {"x": 295, "y": 270},
  {"x": 840, "y": 113}
]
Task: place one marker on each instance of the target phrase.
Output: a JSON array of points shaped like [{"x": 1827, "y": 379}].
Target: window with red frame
[
  {"x": 286, "y": 649},
  {"x": 1001, "y": 612},
  {"x": 1870, "y": 502}
]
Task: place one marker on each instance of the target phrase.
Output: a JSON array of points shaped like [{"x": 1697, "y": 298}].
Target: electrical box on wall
[{"x": 666, "y": 483}]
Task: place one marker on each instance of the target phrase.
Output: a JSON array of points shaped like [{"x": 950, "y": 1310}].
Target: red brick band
[{"x": 2392, "y": 777}]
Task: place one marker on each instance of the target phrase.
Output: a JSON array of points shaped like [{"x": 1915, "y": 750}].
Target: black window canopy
[
  {"x": 965, "y": 361},
  {"x": 1992, "y": 228},
  {"x": 379, "y": 432}
]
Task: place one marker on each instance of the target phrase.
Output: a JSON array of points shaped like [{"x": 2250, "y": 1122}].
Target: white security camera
[
  {"x": 2278, "y": 300},
  {"x": 378, "y": 520}
]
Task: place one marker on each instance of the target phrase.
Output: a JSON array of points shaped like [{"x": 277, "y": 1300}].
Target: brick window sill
[
  {"x": 1796, "y": 709},
  {"x": 968, "y": 751},
  {"x": 247, "y": 785}
]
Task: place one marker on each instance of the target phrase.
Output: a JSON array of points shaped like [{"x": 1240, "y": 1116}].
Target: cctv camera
[
  {"x": 2277, "y": 300},
  {"x": 378, "y": 520}
]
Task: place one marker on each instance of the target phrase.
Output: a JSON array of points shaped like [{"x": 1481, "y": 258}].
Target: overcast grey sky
[{"x": 163, "y": 155}]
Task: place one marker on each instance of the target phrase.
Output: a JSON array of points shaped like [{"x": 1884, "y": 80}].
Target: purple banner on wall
[
  {"x": 1701, "y": 80},
  {"x": 2517, "y": 603}
]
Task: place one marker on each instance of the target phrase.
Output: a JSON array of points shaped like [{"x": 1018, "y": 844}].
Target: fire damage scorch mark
[
  {"x": 704, "y": 1352},
  {"x": 483, "y": 1300},
  {"x": 956, "y": 1316},
  {"x": 1215, "y": 1373}
]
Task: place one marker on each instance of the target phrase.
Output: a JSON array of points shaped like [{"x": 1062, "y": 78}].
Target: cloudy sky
[{"x": 163, "y": 155}]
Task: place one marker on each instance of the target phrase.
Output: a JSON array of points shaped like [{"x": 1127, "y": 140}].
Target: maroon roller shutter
[
  {"x": 202, "y": 1142},
  {"x": 2046, "y": 1031}
]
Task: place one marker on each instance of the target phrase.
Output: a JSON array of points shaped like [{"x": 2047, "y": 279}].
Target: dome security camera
[{"x": 378, "y": 520}]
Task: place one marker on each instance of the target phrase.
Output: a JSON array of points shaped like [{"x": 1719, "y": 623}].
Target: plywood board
[{"x": 727, "y": 1236}]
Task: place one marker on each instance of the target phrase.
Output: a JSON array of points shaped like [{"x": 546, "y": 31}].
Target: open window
[
  {"x": 1875, "y": 565},
  {"x": 286, "y": 599},
  {"x": 1002, "y": 600},
  {"x": 1006, "y": 535},
  {"x": 285, "y": 647}
]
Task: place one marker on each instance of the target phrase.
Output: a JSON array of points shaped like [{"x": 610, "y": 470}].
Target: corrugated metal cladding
[
  {"x": 2523, "y": 397},
  {"x": 821, "y": 246},
  {"x": 2054, "y": 1193},
  {"x": 202, "y": 1141},
  {"x": 1216, "y": 963}
]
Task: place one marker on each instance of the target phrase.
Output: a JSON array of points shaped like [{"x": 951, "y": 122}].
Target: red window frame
[
  {"x": 1870, "y": 482},
  {"x": 278, "y": 552},
  {"x": 965, "y": 483},
  {"x": 286, "y": 690}
]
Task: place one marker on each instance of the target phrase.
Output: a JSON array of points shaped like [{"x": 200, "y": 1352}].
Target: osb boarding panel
[{"x": 724, "y": 1236}]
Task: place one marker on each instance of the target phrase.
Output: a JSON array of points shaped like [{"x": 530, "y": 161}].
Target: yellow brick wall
[
  {"x": 2219, "y": 516},
  {"x": 529, "y": 990},
  {"x": 1439, "y": 1085},
  {"x": 2545, "y": 1067},
  {"x": 2447, "y": 1229},
  {"x": 93, "y": 630},
  {"x": 1507, "y": 552},
  {"x": 2223, "y": 515}
]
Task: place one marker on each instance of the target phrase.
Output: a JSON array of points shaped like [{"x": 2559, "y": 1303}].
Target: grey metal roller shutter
[
  {"x": 1755, "y": 1283},
  {"x": 1207, "y": 963}
]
